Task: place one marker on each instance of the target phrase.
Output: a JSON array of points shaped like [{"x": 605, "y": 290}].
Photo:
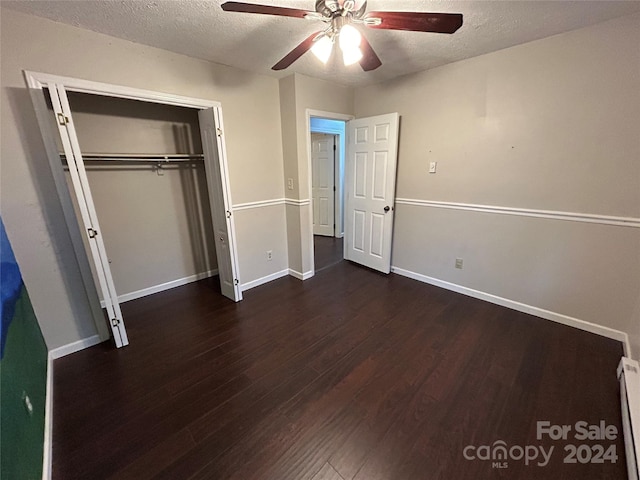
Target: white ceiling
[{"x": 255, "y": 42}]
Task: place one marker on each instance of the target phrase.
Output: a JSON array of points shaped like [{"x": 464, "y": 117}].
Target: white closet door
[
  {"x": 80, "y": 182},
  {"x": 219, "y": 195}
]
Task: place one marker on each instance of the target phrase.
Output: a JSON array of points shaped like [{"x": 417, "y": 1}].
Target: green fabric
[{"x": 23, "y": 371}]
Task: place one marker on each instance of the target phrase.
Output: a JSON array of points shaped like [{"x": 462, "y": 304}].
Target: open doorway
[{"x": 327, "y": 138}]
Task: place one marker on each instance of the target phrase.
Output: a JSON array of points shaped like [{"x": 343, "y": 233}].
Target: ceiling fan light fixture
[
  {"x": 322, "y": 48},
  {"x": 349, "y": 38},
  {"x": 351, "y": 55}
]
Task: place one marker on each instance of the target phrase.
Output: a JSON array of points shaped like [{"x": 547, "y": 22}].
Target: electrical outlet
[
  {"x": 459, "y": 262},
  {"x": 432, "y": 167},
  {"x": 269, "y": 255},
  {"x": 290, "y": 183}
]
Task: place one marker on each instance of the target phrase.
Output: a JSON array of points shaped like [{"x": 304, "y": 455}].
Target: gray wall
[
  {"x": 30, "y": 207},
  {"x": 549, "y": 125}
]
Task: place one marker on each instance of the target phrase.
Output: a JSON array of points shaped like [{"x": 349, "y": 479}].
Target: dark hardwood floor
[
  {"x": 327, "y": 251},
  {"x": 348, "y": 375}
]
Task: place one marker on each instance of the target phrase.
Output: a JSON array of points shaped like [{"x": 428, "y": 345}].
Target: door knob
[{"x": 386, "y": 209}]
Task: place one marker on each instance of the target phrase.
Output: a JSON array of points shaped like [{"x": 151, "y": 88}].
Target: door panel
[
  {"x": 89, "y": 217},
  {"x": 322, "y": 183},
  {"x": 219, "y": 197},
  {"x": 372, "y": 151}
]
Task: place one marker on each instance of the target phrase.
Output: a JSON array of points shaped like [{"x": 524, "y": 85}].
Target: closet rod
[{"x": 140, "y": 157}]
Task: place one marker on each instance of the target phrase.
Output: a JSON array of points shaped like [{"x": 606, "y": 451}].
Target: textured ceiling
[{"x": 255, "y": 42}]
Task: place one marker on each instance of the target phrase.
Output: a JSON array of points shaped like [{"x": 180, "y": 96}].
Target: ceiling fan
[{"x": 340, "y": 17}]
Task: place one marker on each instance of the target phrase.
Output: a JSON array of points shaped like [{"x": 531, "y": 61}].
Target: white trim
[
  {"x": 47, "y": 449},
  {"x": 628, "y": 352},
  {"x": 163, "y": 286},
  {"x": 40, "y": 80},
  {"x": 628, "y": 373},
  {"x": 261, "y": 281},
  {"x": 74, "y": 347},
  {"x": 258, "y": 204},
  {"x": 527, "y": 212},
  {"x": 297, "y": 203},
  {"x": 521, "y": 307},
  {"x": 268, "y": 203},
  {"x": 328, "y": 115},
  {"x": 301, "y": 276}
]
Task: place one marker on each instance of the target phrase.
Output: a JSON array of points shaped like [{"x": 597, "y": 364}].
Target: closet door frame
[{"x": 36, "y": 82}]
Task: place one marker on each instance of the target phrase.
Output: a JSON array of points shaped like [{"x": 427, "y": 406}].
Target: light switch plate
[{"x": 432, "y": 167}]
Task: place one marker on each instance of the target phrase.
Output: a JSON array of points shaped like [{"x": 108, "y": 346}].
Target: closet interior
[{"x": 145, "y": 168}]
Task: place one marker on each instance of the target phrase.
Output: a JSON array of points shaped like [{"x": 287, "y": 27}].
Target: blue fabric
[{"x": 10, "y": 285}]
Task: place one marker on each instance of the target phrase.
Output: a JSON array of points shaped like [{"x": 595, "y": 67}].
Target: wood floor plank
[
  {"x": 349, "y": 375},
  {"x": 327, "y": 472}
]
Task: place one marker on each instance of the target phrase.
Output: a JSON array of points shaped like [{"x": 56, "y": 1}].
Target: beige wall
[
  {"x": 299, "y": 93},
  {"x": 549, "y": 125},
  {"x": 119, "y": 125},
  {"x": 30, "y": 206}
]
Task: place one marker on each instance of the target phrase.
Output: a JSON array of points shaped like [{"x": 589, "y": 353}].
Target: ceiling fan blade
[
  {"x": 296, "y": 53},
  {"x": 263, "y": 9},
  {"x": 417, "y": 21},
  {"x": 369, "y": 61}
]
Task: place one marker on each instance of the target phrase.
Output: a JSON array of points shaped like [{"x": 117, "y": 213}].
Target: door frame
[
  {"x": 339, "y": 173},
  {"x": 36, "y": 82}
]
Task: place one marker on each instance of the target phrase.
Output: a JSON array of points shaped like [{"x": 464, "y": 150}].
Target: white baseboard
[
  {"x": 301, "y": 276},
  {"x": 522, "y": 307},
  {"x": 75, "y": 346},
  {"x": 263, "y": 280},
  {"x": 163, "y": 286},
  {"x": 48, "y": 422}
]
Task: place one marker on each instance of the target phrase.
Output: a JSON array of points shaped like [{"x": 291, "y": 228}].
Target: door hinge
[
  {"x": 115, "y": 322},
  {"x": 236, "y": 281},
  {"x": 92, "y": 233},
  {"x": 219, "y": 132},
  {"x": 62, "y": 119},
  {"x": 334, "y": 188},
  {"x": 334, "y": 147},
  {"x": 228, "y": 213}
]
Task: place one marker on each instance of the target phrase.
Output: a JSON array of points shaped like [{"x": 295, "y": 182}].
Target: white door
[
  {"x": 323, "y": 149},
  {"x": 219, "y": 195},
  {"x": 370, "y": 183},
  {"x": 80, "y": 182}
]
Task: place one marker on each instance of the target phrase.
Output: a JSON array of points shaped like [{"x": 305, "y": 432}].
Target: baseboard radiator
[{"x": 629, "y": 377}]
